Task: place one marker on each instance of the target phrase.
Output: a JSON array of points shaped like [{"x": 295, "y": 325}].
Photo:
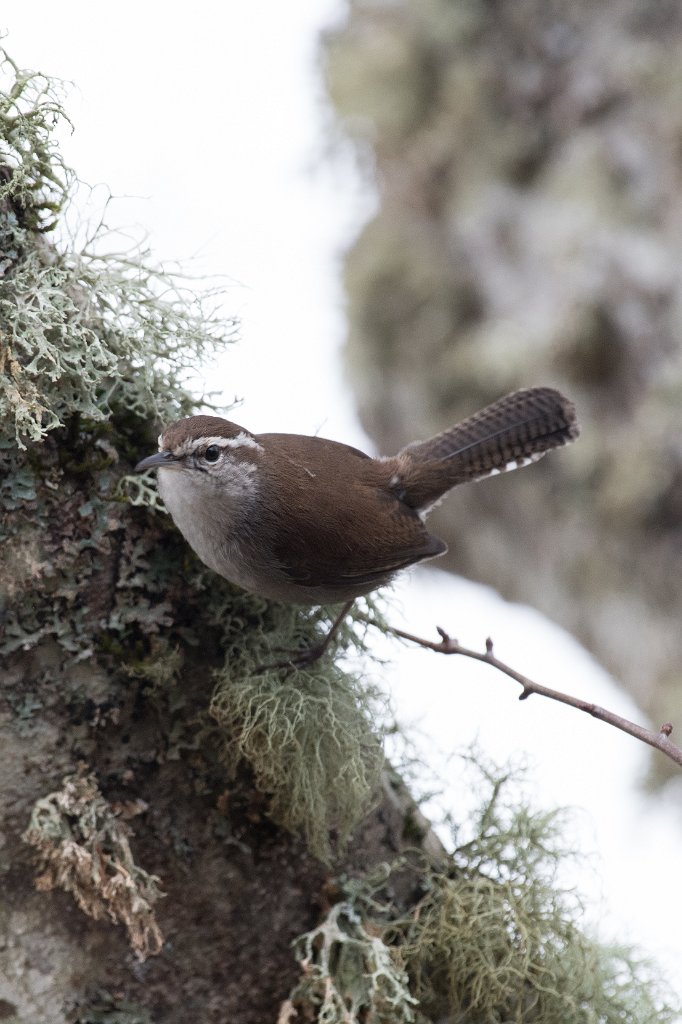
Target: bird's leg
[{"x": 309, "y": 655}]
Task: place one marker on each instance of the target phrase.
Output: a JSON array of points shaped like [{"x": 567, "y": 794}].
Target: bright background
[{"x": 208, "y": 121}]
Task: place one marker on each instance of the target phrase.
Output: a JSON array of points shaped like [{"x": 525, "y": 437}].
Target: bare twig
[{"x": 446, "y": 645}]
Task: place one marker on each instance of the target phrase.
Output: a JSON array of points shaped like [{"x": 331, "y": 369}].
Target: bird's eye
[{"x": 212, "y": 453}]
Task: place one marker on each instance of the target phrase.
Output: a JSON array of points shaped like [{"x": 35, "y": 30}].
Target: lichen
[
  {"x": 486, "y": 934},
  {"x": 84, "y": 848},
  {"x": 103, "y": 1007},
  {"x": 82, "y": 332},
  {"x": 312, "y": 737},
  {"x": 34, "y": 177},
  {"x": 96, "y": 336},
  {"x": 350, "y": 974}
]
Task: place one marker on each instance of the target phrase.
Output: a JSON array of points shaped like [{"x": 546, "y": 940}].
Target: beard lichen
[
  {"x": 484, "y": 934},
  {"x": 311, "y": 737}
]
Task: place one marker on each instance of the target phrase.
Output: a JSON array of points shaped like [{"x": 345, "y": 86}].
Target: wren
[{"x": 311, "y": 521}]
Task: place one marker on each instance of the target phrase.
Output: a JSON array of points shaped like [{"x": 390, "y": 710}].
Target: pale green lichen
[
  {"x": 312, "y": 737},
  {"x": 81, "y": 332},
  {"x": 349, "y": 974},
  {"x": 140, "y": 490},
  {"x": 485, "y": 935},
  {"x": 34, "y": 174},
  {"x": 91, "y": 335}
]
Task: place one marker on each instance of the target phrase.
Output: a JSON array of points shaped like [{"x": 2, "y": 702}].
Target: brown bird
[{"x": 312, "y": 521}]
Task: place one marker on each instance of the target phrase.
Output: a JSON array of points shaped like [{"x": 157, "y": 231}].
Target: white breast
[{"x": 211, "y": 517}]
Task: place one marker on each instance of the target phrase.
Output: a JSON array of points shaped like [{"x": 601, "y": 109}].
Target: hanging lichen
[{"x": 484, "y": 935}]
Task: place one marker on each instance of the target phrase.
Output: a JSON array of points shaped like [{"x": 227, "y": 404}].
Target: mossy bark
[
  {"x": 238, "y": 889},
  {"x": 116, "y": 778},
  {"x": 109, "y": 668}
]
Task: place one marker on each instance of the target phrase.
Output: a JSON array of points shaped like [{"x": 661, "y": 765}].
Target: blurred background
[{"x": 414, "y": 207}]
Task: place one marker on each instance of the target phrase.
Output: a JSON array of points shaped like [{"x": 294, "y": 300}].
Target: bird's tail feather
[{"x": 512, "y": 432}]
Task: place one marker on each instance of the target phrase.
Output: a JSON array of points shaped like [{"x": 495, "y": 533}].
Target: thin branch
[{"x": 446, "y": 645}]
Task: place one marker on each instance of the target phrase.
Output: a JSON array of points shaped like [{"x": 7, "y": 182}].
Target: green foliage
[
  {"x": 312, "y": 738},
  {"x": 485, "y": 936}
]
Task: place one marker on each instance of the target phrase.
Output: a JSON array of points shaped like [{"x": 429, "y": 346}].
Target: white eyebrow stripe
[{"x": 243, "y": 440}]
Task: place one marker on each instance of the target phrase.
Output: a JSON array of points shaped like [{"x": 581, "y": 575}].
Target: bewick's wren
[{"x": 311, "y": 521}]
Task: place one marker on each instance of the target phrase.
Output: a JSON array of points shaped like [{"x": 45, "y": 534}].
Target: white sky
[{"x": 208, "y": 119}]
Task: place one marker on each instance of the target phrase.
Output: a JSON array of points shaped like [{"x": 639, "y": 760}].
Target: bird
[{"x": 307, "y": 520}]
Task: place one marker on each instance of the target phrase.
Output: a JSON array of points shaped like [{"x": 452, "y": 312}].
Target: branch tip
[{"x": 660, "y": 740}]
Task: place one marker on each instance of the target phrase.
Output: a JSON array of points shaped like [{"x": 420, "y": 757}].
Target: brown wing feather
[{"x": 341, "y": 516}]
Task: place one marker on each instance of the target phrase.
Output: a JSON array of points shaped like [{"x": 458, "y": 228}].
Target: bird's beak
[{"x": 156, "y": 460}]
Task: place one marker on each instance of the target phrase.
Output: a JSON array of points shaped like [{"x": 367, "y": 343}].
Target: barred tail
[{"x": 513, "y": 431}]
